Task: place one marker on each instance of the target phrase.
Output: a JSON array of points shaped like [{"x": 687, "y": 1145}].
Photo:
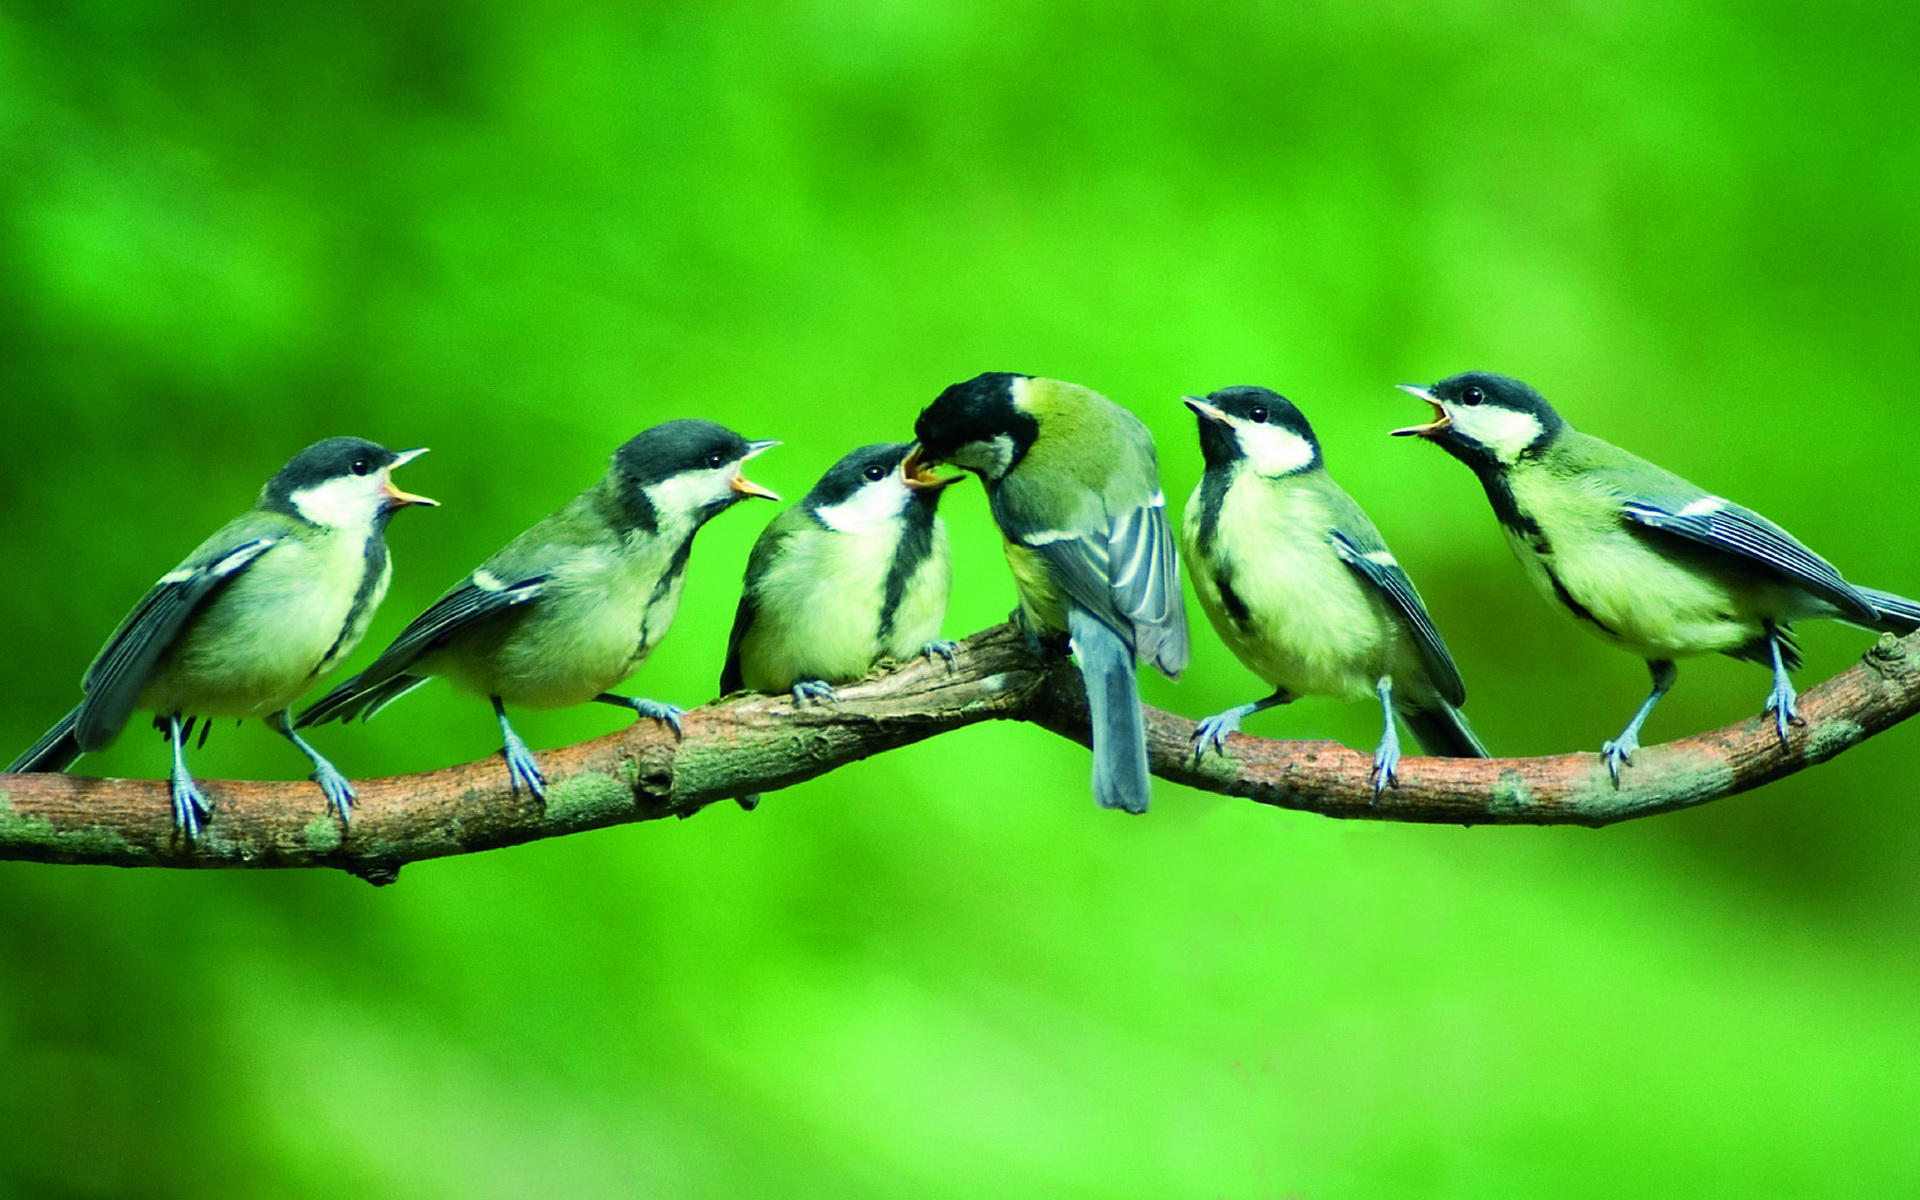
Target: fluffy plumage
[
  {"x": 248, "y": 620},
  {"x": 1637, "y": 555},
  {"x": 1300, "y": 586}
]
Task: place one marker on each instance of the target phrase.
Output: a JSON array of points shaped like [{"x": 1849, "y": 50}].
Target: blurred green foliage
[{"x": 520, "y": 233}]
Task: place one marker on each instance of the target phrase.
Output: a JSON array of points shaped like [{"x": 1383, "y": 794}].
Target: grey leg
[
  {"x": 1619, "y": 751},
  {"x": 667, "y": 714},
  {"x": 338, "y": 791},
  {"x": 1213, "y": 731},
  {"x": 1781, "y": 700},
  {"x": 189, "y": 802},
  {"x": 520, "y": 765},
  {"x": 1386, "y": 756}
]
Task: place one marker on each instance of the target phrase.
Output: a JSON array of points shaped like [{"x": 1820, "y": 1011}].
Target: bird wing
[
  {"x": 1727, "y": 527},
  {"x": 1369, "y": 556},
  {"x": 1123, "y": 570},
  {"x": 475, "y": 598},
  {"x": 125, "y": 664}
]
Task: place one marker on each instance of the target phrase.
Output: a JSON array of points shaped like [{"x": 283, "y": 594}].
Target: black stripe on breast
[
  {"x": 1213, "y": 494},
  {"x": 1579, "y": 610},
  {"x": 373, "y": 565},
  {"x": 916, "y": 544},
  {"x": 676, "y": 567}
]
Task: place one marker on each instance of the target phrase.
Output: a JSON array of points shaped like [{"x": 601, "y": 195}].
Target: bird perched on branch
[
  {"x": 858, "y": 571},
  {"x": 249, "y": 620},
  {"x": 1639, "y": 556},
  {"x": 1073, "y": 484},
  {"x": 574, "y": 605},
  {"x": 1300, "y": 587}
]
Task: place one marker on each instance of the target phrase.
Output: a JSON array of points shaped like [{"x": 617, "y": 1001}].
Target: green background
[{"x": 520, "y": 233}]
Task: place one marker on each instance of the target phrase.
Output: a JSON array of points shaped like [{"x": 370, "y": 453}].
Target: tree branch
[{"x": 755, "y": 743}]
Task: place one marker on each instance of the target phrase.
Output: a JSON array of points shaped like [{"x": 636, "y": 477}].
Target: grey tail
[
  {"x": 1113, "y": 709},
  {"x": 1443, "y": 732},
  {"x": 351, "y": 700},
  {"x": 1897, "y": 613},
  {"x": 55, "y": 751}
]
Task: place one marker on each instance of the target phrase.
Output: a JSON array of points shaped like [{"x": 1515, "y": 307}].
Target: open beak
[
  {"x": 1207, "y": 411},
  {"x": 919, "y": 476},
  {"x": 747, "y": 487},
  {"x": 1440, "y": 421},
  {"x": 398, "y": 498}
]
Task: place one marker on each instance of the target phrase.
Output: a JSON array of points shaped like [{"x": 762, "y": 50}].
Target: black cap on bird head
[
  {"x": 707, "y": 453},
  {"x": 1257, "y": 425},
  {"x": 979, "y": 412},
  {"x": 340, "y": 458}
]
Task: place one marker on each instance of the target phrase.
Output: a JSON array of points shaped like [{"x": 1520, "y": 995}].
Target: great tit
[
  {"x": 249, "y": 620},
  {"x": 1639, "y": 556},
  {"x": 1073, "y": 485},
  {"x": 856, "y": 572},
  {"x": 573, "y": 606},
  {"x": 1300, "y": 587}
]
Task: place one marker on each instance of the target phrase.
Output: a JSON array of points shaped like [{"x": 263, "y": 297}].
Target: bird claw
[
  {"x": 1211, "y": 732},
  {"x": 339, "y": 792},
  {"x": 813, "y": 690},
  {"x": 1386, "y": 770},
  {"x": 659, "y": 710},
  {"x": 1783, "y": 704},
  {"x": 190, "y": 807},
  {"x": 942, "y": 648},
  {"x": 521, "y": 768},
  {"x": 1618, "y": 753}
]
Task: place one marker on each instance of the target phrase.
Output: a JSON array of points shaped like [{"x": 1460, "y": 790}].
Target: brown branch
[{"x": 756, "y": 743}]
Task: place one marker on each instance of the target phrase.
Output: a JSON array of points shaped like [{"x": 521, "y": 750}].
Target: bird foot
[
  {"x": 813, "y": 690},
  {"x": 339, "y": 792},
  {"x": 1618, "y": 753},
  {"x": 522, "y": 769},
  {"x": 659, "y": 710},
  {"x": 940, "y": 648},
  {"x": 1386, "y": 769},
  {"x": 1783, "y": 703},
  {"x": 1211, "y": 732},
  {"x": 190, "y": 808}
]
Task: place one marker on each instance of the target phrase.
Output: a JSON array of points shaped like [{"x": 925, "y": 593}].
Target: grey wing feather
[
  {"x": 367, "y": 692},
  {"x": 123, "y": 667},
  {"x": 1748, "y": 535},
  {"x": 1129, "y": 577},
  {"x": 731, "y": 676},
  {"x": 1393, "y": 583}
]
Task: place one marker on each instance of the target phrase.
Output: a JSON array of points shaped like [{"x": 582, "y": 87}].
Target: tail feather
[
  {"x": 1897, "y": 613},
  {"x": 1113, "y": 708},
  {"x": 351, "y": 700},
  {"x": 55, "y": 751},
  {"x": 1442, "y": 731}
]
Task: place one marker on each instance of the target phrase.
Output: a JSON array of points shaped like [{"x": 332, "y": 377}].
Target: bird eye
[
  {"x": 876, "y": 472},
  {"x": 716, "y": 460},
  {"x": 1472, "y": 395},
  {"x": 360, "y": 466},
  {"x": 1257, "y": 413}
]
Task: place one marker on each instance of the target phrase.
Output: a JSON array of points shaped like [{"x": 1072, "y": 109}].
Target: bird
[
  {"x": 1637, "y": 555},
  {"x": 1302, "y": 589},
  {"x": 1073, "y": 484},
  {"x": 573, "y": 606},
  {"x": 248, "y": 620},
  {"x": 857, "y": 572}
]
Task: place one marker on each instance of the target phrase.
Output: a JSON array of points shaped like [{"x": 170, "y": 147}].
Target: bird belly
[
  {"x": 594, "y": 625},
  {"x": 259, "y": 643},
  {"x": 1042, "y": 601},
  {"x": 817, "y": 612},
  {"x": 923, "y": 606},
  {"x": 1290, "y": 610},
  {"x": 1661, "y": 600}
]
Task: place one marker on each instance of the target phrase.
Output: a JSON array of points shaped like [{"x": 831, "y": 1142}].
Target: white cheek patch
[
  {"x": 991, "y": 458},
  {"x": 1273, "y": 450},
  {"x": 1502, "y": 430},
  {"x": 348, "y": 502},
  {"x": 869, "y": 510},
  {"x": 690, "y": 491}
]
